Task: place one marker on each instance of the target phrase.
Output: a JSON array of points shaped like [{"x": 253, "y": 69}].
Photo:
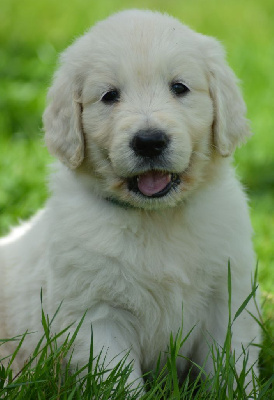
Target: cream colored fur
[{"x": 129, "y": 260}]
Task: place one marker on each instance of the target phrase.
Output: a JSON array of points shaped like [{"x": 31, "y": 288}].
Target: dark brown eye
[
  {"x": 110, "y": 97},
  {"x": 179, "y": 89}
]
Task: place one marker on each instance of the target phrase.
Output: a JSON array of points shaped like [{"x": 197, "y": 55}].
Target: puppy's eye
[
  {"x": 110, "y": 97},
  {"x": 179, "y": 89}
]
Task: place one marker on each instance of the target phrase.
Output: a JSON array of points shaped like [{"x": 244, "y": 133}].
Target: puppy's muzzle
[
  {"x": 154, "y": 179},
  {"x": 149, "y": 143}
]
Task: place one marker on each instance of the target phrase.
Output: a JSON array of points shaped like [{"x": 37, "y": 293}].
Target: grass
[
  {"x": 46, "y": 376},
  {"x": 32, "y": 33}
]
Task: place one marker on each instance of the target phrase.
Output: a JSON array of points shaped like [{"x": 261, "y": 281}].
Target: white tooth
[{"x": 137, "y": 178}]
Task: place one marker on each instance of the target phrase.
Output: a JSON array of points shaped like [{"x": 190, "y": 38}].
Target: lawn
[{"x": 32, "y": 33}]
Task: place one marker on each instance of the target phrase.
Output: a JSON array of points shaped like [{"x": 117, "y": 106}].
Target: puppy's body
[{"x": 102, "y": 243}]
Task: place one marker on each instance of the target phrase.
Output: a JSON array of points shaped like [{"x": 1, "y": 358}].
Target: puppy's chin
[{"x": 131, "y": 199}]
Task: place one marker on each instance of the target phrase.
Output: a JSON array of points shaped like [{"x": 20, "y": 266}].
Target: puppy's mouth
[{"x": 153, "y": 184}]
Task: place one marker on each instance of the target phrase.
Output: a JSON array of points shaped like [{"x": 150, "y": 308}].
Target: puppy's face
[{"x": 143, "y": 110}]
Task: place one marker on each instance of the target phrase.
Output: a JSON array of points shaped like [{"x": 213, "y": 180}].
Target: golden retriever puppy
[{"x": 145, "y": 210}]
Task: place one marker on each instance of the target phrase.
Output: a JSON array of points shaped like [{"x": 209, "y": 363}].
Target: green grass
[
  {"x": 32, "y": 33},
  {"x": 46, "y": 376}
]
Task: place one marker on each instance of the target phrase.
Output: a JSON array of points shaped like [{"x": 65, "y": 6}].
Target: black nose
[{"x": 149, "y": 143}]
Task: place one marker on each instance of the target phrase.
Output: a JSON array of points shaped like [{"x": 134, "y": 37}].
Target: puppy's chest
[
  {"x": 131, "y": 267},
  {"x": 157, "y": 269},
  {"x": 161, "y": 256}
]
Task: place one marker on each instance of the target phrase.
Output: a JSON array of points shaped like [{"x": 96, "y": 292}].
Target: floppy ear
[
  {"x": 230, "y": 127},
  {"x": 62, "y": 119}
]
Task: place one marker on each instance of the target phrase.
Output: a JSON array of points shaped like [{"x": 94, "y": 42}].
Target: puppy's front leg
[
  {"x": 244, "y": 332},
  {"x": 113, "y": 342}
]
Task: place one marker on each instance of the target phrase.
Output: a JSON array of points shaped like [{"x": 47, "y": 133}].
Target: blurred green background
[{"x": 33, "y": 32}]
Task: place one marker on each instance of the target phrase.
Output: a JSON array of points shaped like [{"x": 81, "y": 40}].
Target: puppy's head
[{"x": 142, "y": 104}]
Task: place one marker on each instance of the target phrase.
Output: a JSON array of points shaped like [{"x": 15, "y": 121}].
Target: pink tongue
[{"x": 153, "y": 182}]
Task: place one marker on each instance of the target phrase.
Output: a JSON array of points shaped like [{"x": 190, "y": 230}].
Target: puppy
[{"x": 145, "y": 211}]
